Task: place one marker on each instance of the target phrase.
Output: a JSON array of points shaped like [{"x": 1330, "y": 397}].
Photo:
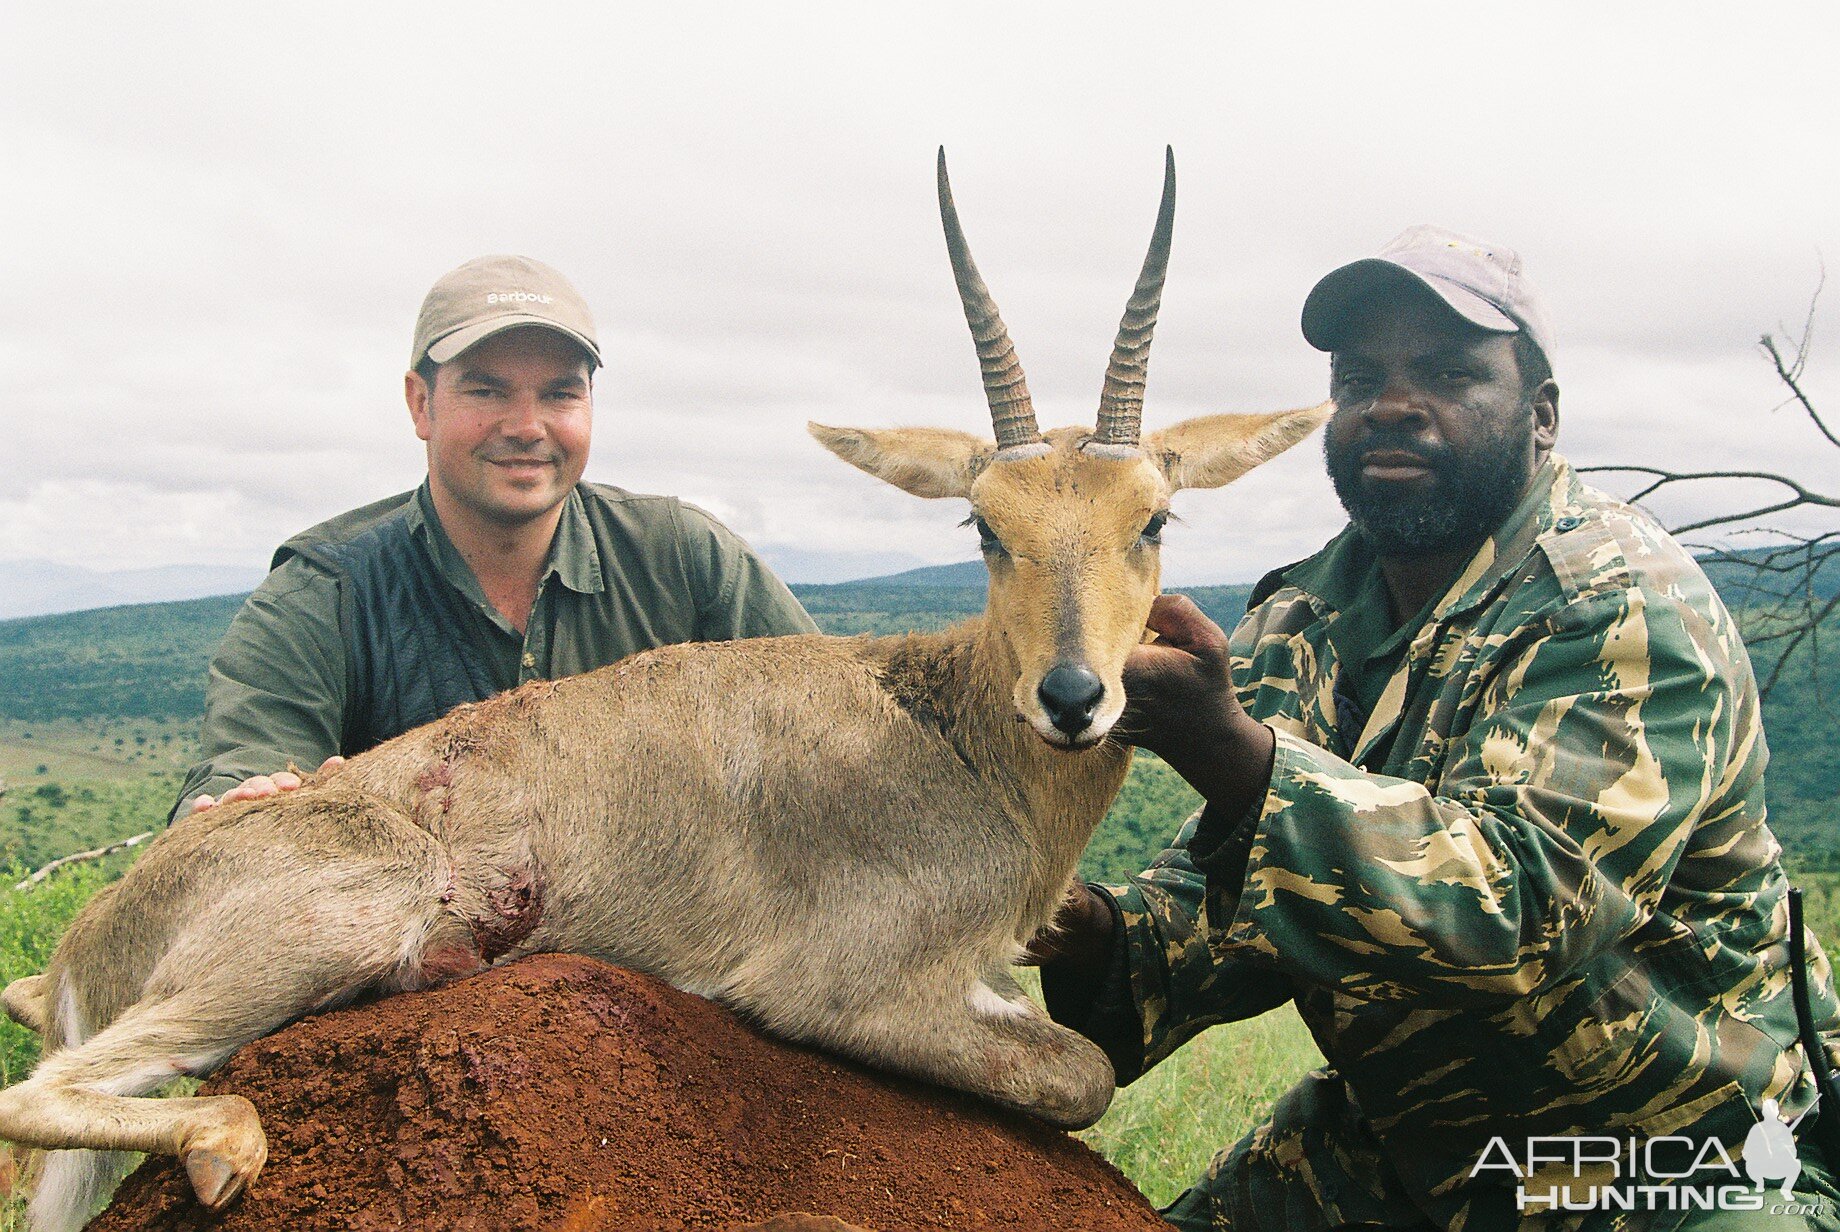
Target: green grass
[
  {"x": 1142, "y": 821},
  {"x": 114, "y": 750},
  {"x": 1162, "y": 1129},
  {"x": 31, "y": 921}
]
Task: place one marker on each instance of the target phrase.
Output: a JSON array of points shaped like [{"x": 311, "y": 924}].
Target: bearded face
[
  {"x": 1435, "y": 433},
  {"x": 1454, "y": 500}
]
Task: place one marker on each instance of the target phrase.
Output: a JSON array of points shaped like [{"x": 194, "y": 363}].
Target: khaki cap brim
[
  {"x": 1481, "y": 283},
  {"x": 1326, "y": 310},
  {"x": 461, "y": 340}
]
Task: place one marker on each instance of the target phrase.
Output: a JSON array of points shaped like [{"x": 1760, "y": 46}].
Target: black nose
[{"x": 1070, "y": 694}]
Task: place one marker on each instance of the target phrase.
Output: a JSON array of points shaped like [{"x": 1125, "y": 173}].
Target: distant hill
[
  {"x": 964, "y": 573},
  {"x": 1735, "y": 580},
  {"x": 141, "y": 661},
  {"x": 148, "y": 661},
  {"x": 939, "y": 595},
  {"x": 1739, "y": 582},
  {"x": 37, "y": 587},
  {"x": 819, "y": 568}
]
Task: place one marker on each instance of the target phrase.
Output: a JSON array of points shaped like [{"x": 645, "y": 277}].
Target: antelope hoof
[
  {"x": 225, "y": 1158},
  {"x": 215, "y": 1178},
  {"x": 1075, "y": 1099},
  {"x": 1078, "y": 1112}
]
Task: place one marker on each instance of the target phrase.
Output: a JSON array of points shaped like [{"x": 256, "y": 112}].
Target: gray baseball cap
[
  {"x": 1482, "y": 283},
  {"x": 490, "y": 294}
]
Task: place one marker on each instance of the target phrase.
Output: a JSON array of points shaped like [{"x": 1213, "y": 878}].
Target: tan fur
[
  {"x": 928, "y": 462},
  {"x": 849, "y": 840},
  {"x": 24, "y": 1001},
  {"x": 1198, "y": 453}
]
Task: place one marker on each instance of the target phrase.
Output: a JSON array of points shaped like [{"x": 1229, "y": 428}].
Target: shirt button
[
  {"x": 1565, "y": 524},
  {"x": 530, "y": 660}
]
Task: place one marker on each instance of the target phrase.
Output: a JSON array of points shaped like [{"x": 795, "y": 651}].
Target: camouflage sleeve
[
  {"x": 1176, "y": 987},
  {"x": 1556, "y": 821}
]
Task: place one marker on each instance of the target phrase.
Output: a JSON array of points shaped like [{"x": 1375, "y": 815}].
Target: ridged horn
[
  {"x": 1012, "y": 412},
  {"x": 1121, "y": 404}
]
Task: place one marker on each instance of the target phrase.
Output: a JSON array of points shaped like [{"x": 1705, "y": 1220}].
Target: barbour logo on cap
[{"x": 469, "y": 304}]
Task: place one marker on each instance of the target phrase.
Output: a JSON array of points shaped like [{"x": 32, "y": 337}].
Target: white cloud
[{"x": 224, "y": 216}]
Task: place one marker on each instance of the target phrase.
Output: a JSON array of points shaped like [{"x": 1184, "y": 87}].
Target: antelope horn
[
  {"x": 1121, "y": 404},
  {"x": 1011, "y": 411}
]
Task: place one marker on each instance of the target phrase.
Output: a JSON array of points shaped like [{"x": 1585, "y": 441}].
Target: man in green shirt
[
  {"x": 1484, "y": 785},
  {"x": 502, "y": 567}
]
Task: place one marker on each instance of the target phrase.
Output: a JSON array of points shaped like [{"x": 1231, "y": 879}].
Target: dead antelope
[{"x": 848, "y": 840}]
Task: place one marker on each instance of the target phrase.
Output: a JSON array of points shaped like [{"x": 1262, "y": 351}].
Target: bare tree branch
[
  {"x": 1807, "y": 632},
  {"x": 80, "y": 857},
  {"x": 1790, "y": 373},
  {"x": 1665, "y": 477},
  {"x": 1780, "y": 587}
]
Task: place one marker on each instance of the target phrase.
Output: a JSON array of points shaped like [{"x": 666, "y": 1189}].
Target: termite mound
[{"x": 563, "y": 1093}]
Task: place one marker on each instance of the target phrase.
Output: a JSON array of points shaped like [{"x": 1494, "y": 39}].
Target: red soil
[{"x": 563, "y": 1094}]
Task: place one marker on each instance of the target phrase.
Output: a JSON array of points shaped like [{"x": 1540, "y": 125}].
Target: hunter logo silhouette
[{"x": 1769, "y": 1149}]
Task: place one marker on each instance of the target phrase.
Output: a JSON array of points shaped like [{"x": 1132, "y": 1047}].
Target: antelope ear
[
  {"x": 1214, "y": 450},
  {"x": 924, "y": 461}
]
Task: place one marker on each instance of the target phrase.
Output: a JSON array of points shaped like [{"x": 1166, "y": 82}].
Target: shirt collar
[
  {"x": 574, "y": 557},
  {"x": 1337, "y": 576}
]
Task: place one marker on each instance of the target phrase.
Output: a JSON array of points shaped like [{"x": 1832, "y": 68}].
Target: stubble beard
[{"x": 1469, "y": 496}]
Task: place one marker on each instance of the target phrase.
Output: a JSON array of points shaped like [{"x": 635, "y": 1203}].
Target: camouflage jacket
[{"x": 1532, "y": 894}]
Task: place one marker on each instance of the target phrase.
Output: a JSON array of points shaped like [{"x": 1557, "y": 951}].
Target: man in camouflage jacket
[{"x": 1484, "y": 798}]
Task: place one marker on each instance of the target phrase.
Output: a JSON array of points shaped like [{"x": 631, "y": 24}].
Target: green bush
[
  {"x": 31, "y": 921},
  {"x": 1149, "y": 810}
]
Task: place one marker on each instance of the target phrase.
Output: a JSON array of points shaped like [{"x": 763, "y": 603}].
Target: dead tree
[{"x": 1787, "y": 582}]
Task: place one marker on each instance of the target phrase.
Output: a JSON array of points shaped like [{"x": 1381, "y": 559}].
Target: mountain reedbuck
[{"x": 848, "y": 840}]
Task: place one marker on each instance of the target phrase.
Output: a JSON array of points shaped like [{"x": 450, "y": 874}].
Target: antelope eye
[
  {"x": 987, "y": 538},
  {"x": 1153, "y": 529}
]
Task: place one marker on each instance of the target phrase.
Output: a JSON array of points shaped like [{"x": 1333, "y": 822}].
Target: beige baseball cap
[
  {"x": 490, "y": 294},
  {"x": 1481, "y": 282}
]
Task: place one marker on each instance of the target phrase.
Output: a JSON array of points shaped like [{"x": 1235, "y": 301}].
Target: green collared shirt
[{"x": 626, "y": 572}]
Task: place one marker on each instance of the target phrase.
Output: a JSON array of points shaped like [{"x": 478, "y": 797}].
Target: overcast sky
[{"x": 219, "y": 221}]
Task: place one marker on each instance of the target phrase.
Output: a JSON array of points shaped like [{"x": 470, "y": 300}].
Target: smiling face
[
  {"x": 1434, "y": 436},
  {"x": 507, "y": 424}
]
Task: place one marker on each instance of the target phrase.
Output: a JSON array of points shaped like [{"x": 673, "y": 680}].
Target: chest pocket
[{"x": 1463, "y": 672}]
